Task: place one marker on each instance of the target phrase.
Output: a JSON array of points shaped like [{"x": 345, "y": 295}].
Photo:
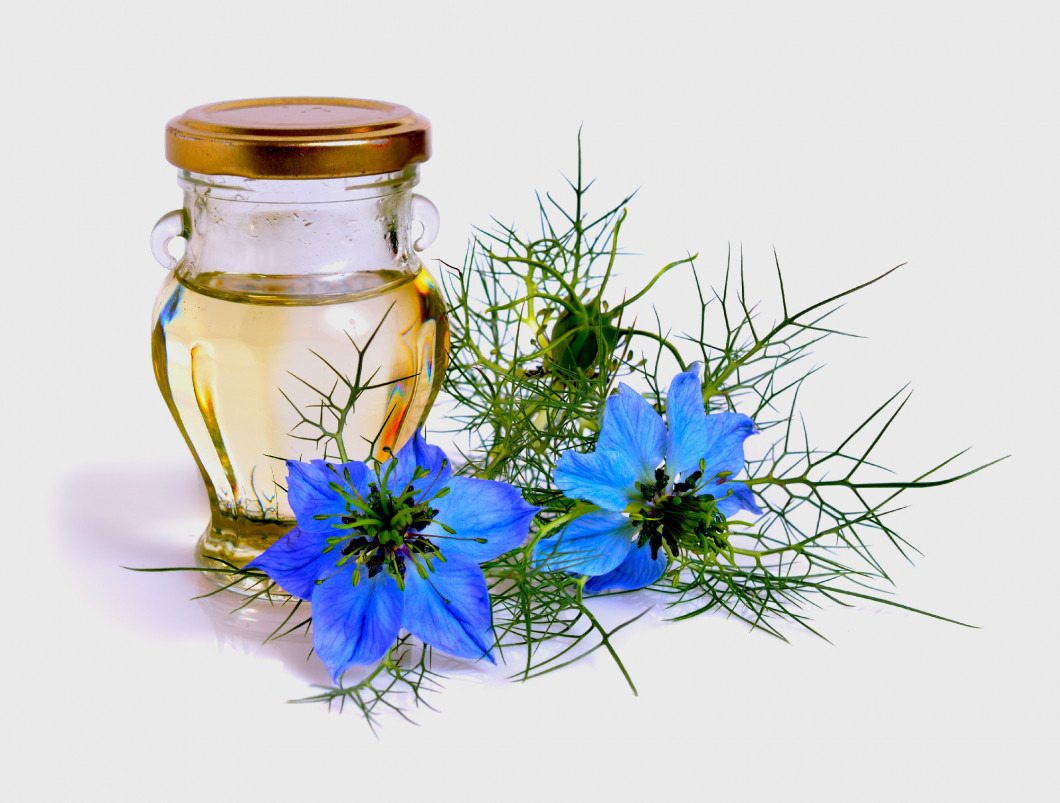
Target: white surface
[{"x": 850, "y": 139}]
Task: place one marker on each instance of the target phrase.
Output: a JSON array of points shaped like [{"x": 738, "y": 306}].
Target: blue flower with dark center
[
  {"x": 659, "y": 490},
  {"x": 397, "y": 547}
]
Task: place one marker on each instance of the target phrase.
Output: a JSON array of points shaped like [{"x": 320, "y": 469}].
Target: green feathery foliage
[{"x": 539, "y": 338}]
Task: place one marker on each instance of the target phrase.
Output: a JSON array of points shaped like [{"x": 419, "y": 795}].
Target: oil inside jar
[{"x": 258, "y": 369}]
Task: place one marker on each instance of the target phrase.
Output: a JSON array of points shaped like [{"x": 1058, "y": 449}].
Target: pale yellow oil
[{"x": 255, "y": 368}]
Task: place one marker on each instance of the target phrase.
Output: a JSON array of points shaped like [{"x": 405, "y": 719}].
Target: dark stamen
[{"x": 681, "y": 521}]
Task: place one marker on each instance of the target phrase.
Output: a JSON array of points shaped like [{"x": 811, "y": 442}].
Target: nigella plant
[
  {"x": 398, "y": 546},
  {"x": 634, "y": 490},
  {"x": 657, "y": 490}
]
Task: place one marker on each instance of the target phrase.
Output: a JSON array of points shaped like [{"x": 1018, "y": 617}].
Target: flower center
[
  {"x": 682, "y": 518},
  {"x": 382, "y": 531}
]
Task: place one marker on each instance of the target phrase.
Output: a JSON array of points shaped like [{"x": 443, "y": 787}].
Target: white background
[{"x": 850, "y": 136}]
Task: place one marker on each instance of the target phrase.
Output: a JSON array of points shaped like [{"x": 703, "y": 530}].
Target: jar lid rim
[{"x": 297, "y": 137}]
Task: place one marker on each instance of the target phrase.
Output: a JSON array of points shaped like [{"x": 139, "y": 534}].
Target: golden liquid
[{"x": 245, "y": 363}]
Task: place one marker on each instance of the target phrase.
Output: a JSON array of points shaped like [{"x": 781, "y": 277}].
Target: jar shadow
[{"x": 113, "y": 518}]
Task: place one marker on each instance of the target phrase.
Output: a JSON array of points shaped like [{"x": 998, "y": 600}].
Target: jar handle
[
  {"x": 427, "y": 214},
  {"x": 169, "y": 227}
]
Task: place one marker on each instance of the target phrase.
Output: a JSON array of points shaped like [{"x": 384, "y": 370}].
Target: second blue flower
[{"x": 658, "y": 486}]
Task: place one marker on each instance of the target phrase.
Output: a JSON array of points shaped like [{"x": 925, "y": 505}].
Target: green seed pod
[{"x": 577, "y": 337}]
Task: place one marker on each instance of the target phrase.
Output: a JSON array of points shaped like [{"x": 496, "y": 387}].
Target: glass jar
[{"x": 299, "y": 323}]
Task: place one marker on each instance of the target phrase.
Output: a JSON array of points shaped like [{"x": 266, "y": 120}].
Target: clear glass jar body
[{"x": 299, "y": 324}]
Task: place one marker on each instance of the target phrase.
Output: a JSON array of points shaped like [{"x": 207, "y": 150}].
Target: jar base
[{"x": 234, "y": 542}]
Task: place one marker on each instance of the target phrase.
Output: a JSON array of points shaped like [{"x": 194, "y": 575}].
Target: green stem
[{"x": 662, "y": 341}]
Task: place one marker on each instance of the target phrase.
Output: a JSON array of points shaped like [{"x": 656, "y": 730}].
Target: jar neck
[{"x": 298, "y": 227}]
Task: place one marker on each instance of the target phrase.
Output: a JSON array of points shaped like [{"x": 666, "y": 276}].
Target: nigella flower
[
  {"x": 660, "y": 489},
  {"x": 397, "y": 547}
]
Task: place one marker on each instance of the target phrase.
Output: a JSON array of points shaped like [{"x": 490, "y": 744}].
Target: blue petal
[
  {"x": 418, "y": 453},
  {"x": 636, "y": 571},
  {"x": 310, "y": 494},
  {"x": 295, "y": 561},
  {"x": 716, "y": 439},
  {"x": 687, "y": 441},
  {"x": 732, "y": 497},
  {"x": 591, "y": 544},
  {"x": 450, "y": 609},
  {"x": 726, "y": 433},
  {"x": 355, "y": 624},
  {"x": 632, "y": 426},
  {"x": 481, "y": 509},
  {"x": 604, "y": 477}
]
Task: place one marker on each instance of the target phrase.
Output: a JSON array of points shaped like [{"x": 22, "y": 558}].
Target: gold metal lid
[{"x": 297, "y": 138}]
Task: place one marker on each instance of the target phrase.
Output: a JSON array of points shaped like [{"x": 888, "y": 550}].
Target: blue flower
[
  {"x": 658, "y": 489},
  {"x": 397, "y": 547}
]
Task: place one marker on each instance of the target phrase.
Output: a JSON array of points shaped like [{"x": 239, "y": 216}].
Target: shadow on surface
[
  {"x": 144, "y": 516},
  {"x": 141, "y": 515}
]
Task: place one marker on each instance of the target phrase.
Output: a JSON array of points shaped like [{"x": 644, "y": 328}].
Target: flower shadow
[
  {"x": 278, "y": 627},
  {"x": 263, "y": 627}
]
